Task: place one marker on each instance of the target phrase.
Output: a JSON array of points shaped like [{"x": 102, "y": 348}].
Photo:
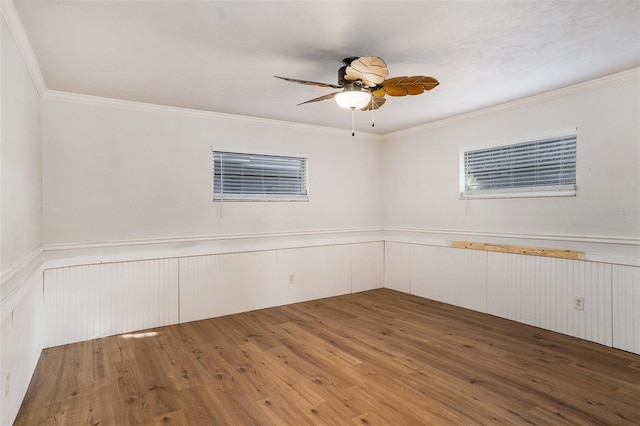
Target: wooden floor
[{"x": 379, "y": 357}]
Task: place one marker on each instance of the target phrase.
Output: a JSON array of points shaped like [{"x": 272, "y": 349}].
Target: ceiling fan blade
[
  {"x": 371, "y": 70},
  {"x": 403, "y": 86},
  {"x": 375, "y": 103},
  {"x": 309, "y": 83},
  {"x": 379, "y": 93},
  {"x": 321, "y": 98}
]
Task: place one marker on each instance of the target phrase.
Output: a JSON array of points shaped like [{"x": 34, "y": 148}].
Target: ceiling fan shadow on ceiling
[{"x": 364, "y": 84}]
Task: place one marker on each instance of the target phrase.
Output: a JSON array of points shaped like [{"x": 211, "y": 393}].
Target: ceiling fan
[{"x": 364, "y": 84}]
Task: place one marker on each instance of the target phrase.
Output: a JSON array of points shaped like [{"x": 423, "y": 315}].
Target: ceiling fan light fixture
[{"x": 353, "y": 99}]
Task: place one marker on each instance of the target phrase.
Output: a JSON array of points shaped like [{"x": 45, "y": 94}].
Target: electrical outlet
[
  {"x": 578, "y": 303},
  {"x": 292, "y": 278}
]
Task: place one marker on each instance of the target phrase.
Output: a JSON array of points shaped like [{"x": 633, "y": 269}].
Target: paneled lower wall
[
  {"x": 62, "y": 297},
  {"x": 21, "y": 345},
  {"x": 91, "y": 301},
  {"x": 626, "y": 307},
  {"x": 216, "y": 285},
  {"x": 95, "y": 300},
  {"x": 533, "y": 290},
  {"x": 452, "y": 276},
  {"x": 540, "y": 291},
  {"x": 92, "y": 297}
]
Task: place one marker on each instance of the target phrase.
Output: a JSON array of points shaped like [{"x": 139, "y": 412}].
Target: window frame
[
  {"x": 259, "y": 196},
  {"x": 567, "y": 190}
]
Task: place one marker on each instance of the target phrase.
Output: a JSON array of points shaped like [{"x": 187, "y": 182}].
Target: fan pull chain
[
  {"x": 373, "y": 107},
  {"x": 353, "y": 121}
]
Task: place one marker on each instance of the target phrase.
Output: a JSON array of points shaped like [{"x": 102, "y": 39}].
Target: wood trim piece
[
  {"x": 505, "y": 248},
  {"x": 465, "y": 233}
]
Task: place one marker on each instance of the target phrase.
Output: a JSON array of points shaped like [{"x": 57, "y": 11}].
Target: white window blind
[
  {"x": 243, "y": 176},
  {"x": 532, "y": 169}
]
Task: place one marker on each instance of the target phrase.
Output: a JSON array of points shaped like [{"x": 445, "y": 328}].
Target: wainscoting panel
[
  {"x": 222, "y": 284},
  {"x": 541, "y": 292},
  {"x": 626, "y": 308},
  {"x": 318, "y": 272},
  {"x": 367, "y": 266},
  {"x": 21, "y": 346},
  {"x": 397, "y": 266},
  {"x": 449, "y": 275},
  {"x": 90, "y": 301}
]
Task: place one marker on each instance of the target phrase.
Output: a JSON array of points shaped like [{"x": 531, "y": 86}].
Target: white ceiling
[{"x": 221, "y": 56}]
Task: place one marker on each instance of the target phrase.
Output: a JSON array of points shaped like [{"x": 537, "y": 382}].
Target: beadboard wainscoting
[
  {"x": 217, "y": 285},
  {"x": 626, "y": 307},
  {"x": 77, "y": 295},
  {"x": 88, "y": 301},
  {"x": 534, "y": 290},
  {"x": 540, "y": 291},
  {"x": 21, "y": 344},
  {"x": 452, "y": 276}
]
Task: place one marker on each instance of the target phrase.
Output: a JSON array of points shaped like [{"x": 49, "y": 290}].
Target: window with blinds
[
  {"x": 258, "y": 177},
  {"x": 541, "y": 168}
]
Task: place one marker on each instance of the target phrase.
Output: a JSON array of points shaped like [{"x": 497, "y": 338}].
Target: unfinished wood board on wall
[
  {"x": 515, "y": 249},
  {"x": 89, "y": 301}
]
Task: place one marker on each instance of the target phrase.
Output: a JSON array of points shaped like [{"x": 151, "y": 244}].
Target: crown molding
[
  {"x": 54, "y": 95},
  {"x": 14, "y": 24},
  {"x": 91, "y": 100},
  {"x": 10, "y": 15},
  {"x": 632, "y": 74}
]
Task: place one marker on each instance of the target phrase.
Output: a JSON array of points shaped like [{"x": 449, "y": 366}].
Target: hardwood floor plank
[
  {"x": 175, "y": 418},
  {"x": 376, "y": 357}
]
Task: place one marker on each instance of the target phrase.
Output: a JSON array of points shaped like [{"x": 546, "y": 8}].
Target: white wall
[
  {"x": 423, "y": 214},
  {"x": 109, "y": 171},
  {"x": 21, "y": 157},
  {"x": 20, "y": 226},
  {"x": 114, "y": 174},
  {"x": 421, "y": 169}
]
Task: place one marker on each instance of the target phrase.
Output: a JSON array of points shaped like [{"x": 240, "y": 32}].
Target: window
[
  {"x": 259, "y": 177},
  {"x": 540, "y": 168}
]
